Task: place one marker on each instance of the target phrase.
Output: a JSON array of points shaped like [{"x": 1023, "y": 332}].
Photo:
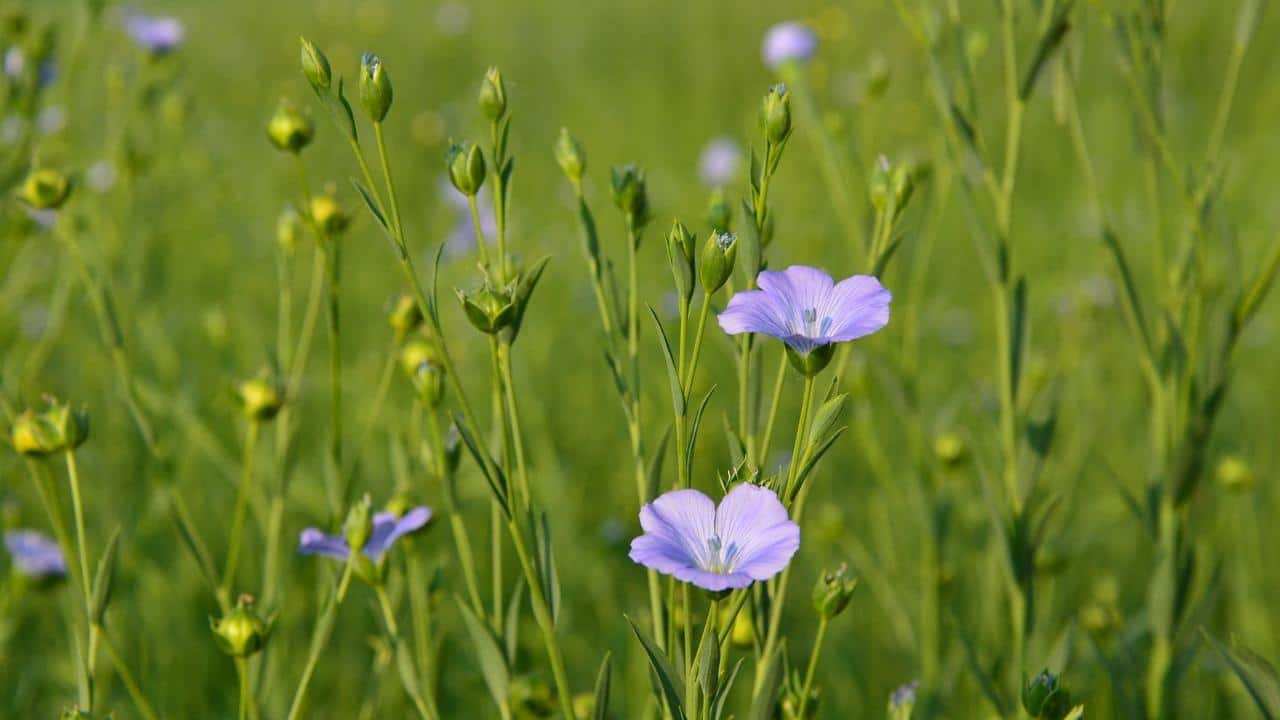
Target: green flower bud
[
  {"x": 241, "y": 632},
  {"x": 569, "y": 154},
  {"x": 1044, "y": 697},
  {"x": 630, "y": 195},
  {"x": 420, "y": 361},
  {"x": 316, "y": 67},
  {"x": 289, "y": 129},
  {"x": 813, "y": 362},
  {"x": 330, "y": 217},
  {"x": 405, "y": 316},
  {"x": 949, "y": 448},
  {"x": 359, "y": 524},
  {"x": 834, "y": 590},
  {"x": 775, "y": 114},
  {"x": 466, "y": 167},
  {"x": 902, "y": 183},
  {"x": 718, "y": 257},
  {"x": 1234, "y": 474},
  {"x": 288, "y": 229},
  {"x": 493, "y": 95},
  {"x": 879, "y": 184},
  {"x": 719, "y": 211},
  {"x": 56, "y": 429},
  {"x": 45, "y": 189},
  {"x": 488, "y": 310},
  {"x": 680, "y": 244},
  {"x": 260, "y": 397},
  {"x": 375, "y": 87}
]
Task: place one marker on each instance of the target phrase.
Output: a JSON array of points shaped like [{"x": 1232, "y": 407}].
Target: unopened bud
[
  {"x": 718, "y": 258},
  {"x": 466, "y": 167},
  {"x": 330, "y": 217},
  {"x": 288, "y": 229},
  {"x": 488, "y": 310},
  {"x": 405, "y": 316},
  {"x": 1234, "y": 474},
  {"x": 493, "y": 95},
  {"x": 290, "y": 129},
  {"x": 316, "y": 67},
  {"x": 775, "y": 114},
  {"x": 241, "y": 632},
  {"x": 260, "y": 397},
  {"x": 359, "y": 524},
  {"x": 680, "y": 244},
  {"x": 57, "y": 428},
  {"x": 630, "y": 195},
  {"x": 834, "y": 590},
  {"x": 569, "y": 154},
  {"x": 375, "y": 87},
  {"x": 45, "y": 189}
]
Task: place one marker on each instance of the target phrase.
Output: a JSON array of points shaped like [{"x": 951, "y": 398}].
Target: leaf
[
  {"x": 829, "y": 413},
  {"x": 600, "y": 707},
  {"x": 1257, "y": 292},
  {"x": 670, "y": 689},
  {"x": 547, "y": 565},
  {"x": 673, "y": 375},
  {"x": 750, "y": 251},
  {"x": 497, "y": 481},
  {"x": 722, "y": 694},
  {"x": 693, "y": 430},
  {"x": 1017, "y": 336},
  {"x": 1256, "y": 674},
  {"x": 191, "y": 538},
  {"x": 1133, "y": 301},
  {"x": 1049, "y": 42},
  {"x": 812, "y": 459},
  {"x": 762, "y": 702},
  {"x": 882, "y": 260},
  {"x": 511, "y": 629},
  {"x": 654, "y": 476},
  {"x": 985, "y": 681},
  {"x": 373, "y": 207},
  {"x": 493, "y": 662},
  {"x": 352, "y": 134},
  {"x": 104, "y": 578}
]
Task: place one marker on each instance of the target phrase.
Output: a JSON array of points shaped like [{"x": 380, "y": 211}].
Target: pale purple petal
[
  {"x": 789, "y": 41},
  {"x": 387, "y": 529},
  {"x": 314, "y": 542},
  {"x": 859, "y": 306},
  {"x": 677, "y": 526},
  {"x": 753, "y": 311},
  {"x": 720, "y": 161},
  {"x": 35, "y": 554},
  {"x": 158, "y": 35},
  {"x": 758, "y": 536}
]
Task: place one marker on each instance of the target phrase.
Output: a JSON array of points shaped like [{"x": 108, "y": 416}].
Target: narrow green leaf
[
  {"x": 829, "y": 413},
  {"x": 369, "y": 203},
  {"x": 493, "y": 474},
  {"x": 1256, "y": 674},
  {"x": 600, "y": 706},
  {"x": 547, "y": 566},
  {"x": 812, "y": 458},
  {"x": 1258, "y": 289},
  {"x": 1049, "y": 41},
  {"x": 511, "y": 628},
  {"x": 493, "y": 662},
  {"x": 1017, "y": 336},
  {"x": 191, "y": 538},
  {"x": 694, "y": 427},
  {"x": 763, "y": 702},
  {"x": 104, "y": 578},
  {"x": 985, "y": 681},
  {"x": 670, "y": 688},
  {"x": 722, "y": 695},
  {"x": 349, "y": 116},
  {"x": 654, "y": 476},
  {"x": 1133, "y": 301},
  {"x": 673, "y": 375}
]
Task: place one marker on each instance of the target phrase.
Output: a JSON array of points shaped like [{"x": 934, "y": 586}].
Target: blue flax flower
[
  {"x": 157, "y": 35},
  {"x": 787, "y": 42},
  {"x": 387, "y": 528},
  {"x": 749, "y": 537},
  {"x": 34, "y": 554}
]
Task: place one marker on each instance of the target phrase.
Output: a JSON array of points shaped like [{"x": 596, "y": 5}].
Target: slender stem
[
  {"x": 246, "y": 688},
  {"x": 798, "y": 446},
  {"x": 398, "y": 227},
  {"x": 333, "y": 266},
  {"x": 482, "y": 245},
  {"x": 319, "y": 640},
  {"x": 542, "y": 614},
  {"x": 813, "y": 665},
  {"x": 379, "y": 400},
  {"x": 139, "y": 698},
  {"x": 457, "y": 524},
  {"x": 779, "y": 380},
  {"x": 500, "y": 204},
  {"x": 513, "y": 417},
  {"x": 698, "y": 334},
  {"x": 77, "y": 508},
  {"x": 237, "y": 517},
  {"x": 408, "y": 675},
  {"x": 496, "y": 520}
]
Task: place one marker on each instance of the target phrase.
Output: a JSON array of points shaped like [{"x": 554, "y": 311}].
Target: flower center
[
  {"x": 812, "y": 326},
  {"x": 720, "y": 558}
]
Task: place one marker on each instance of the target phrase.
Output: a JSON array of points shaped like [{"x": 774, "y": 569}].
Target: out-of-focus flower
[
  {"x": 51, "y": 120},
  {"x": 749, "y": 537},
  {"x": 157, "y": 35},
  {"x": 720, "y": 162},
  {"x": 101, "y": 176},
  {"x": 805, "y": 309},
  {"x": 903, "y": 700},
  {"x": 787, "y": 42},
  {"x": 15, "y": 61},
  {"x": 453, "y": 18},
  {"x": 35, "y": 554},
  {"x": 387, "y": 529}
]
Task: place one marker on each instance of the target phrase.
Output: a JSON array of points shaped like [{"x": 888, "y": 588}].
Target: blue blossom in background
[
  {"x": 157, "y": 35},
  {"x": 387, "y": 529},
  {"x": 788, "y": 42},
  {"x": 34, "y": 554},
  {"x": 720, "y": 162}
]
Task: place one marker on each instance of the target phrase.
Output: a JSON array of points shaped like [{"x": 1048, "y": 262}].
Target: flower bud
[
  {"x": 316, "y": 67},
  {"x": 1044, "y": 697},
  {"x": 330, "y": 217},
  {"x": 903, "y": 701},
  {"x": 241, "y": 632},
  {"x": 719, "y": 211},
  {"x": 405, "y": 316},
  {"x": 793, "y": 697},
  {"x": 466, "y": 167},
  {"x": 56, "y": 429},
  {"x": 289, "y": 129},
  {"x": 718, "y": 257},
  {"x": 493, "y": 95},
  {"x": 45, "y": 189},
  {"x": 902, "y": 183},
  {"x": 775, "y": 114},
  {"x": 420, "y": 361},
  {"x": 569, "y": 154},
  {"x": 375, "y": 87},
  {"x": 1234, "y": 474},
  {"x": 488, "y": 310},
  {"x": 879, "y": 184},
  {"x": 629, "y": 194},
  {"x": 834, "y": 590},
  {"x": 949, "y": 448},
  {"x": 452, "y": 449},
  {"x": 813, "y": 362},
  {"x": 288, "y": 229},
  {"x": 680, "y": 244},
  {"x": 260, "y": 397},
  {"x": 359, "y": 524}
]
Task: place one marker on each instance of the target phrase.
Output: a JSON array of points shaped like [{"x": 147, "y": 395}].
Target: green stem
[
  {"x": 779, "y": 380},
  {"x": 813, "y": 666},
  {"x": 319, "y": 640},
  {"x": 246, "y": 688},
  {"x": 77, "y": 509},
  {"x": 457, "y": 524},
  {"x": 242, "y": 502},
  {"x": 408, "y": 673},
  {"x": 139, "y": 698},
  {"x": 698, "y": 334},
  {"x": 513, "y": 417},
  {"x": 481, "y": 243},
  {"x": 798, "y": 445},
  {"x": 542, "y": 614},
  {"x": 333, "y": 265}
]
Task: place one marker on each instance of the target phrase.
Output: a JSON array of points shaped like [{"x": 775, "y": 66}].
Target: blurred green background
[{"x": 189, "y": 244}]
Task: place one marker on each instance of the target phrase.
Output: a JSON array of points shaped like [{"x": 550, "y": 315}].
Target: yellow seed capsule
[
  {"x": 290, "y": 129},
  {"x": 45, "y": 189},
  {"x": 1235, "y": 474},
  {"x": 261, "y": 398},
  {"x": 950, "y": 449},
  {"x": 329, "y": 216},
  {"x": 405, "y": 316}
]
